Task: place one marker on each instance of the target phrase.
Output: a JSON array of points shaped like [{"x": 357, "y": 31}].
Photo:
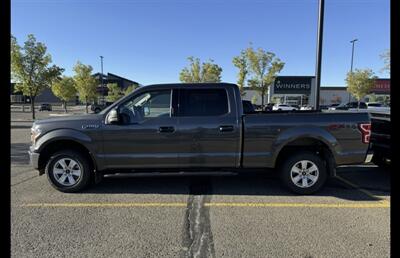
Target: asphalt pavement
[{"x": 200, "y": 216}]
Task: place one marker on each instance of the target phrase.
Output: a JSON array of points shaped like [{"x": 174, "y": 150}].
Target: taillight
[{"x": 365, "y": 132}]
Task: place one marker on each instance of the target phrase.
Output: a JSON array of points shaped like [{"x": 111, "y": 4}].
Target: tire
[
  {"x": 60, "y": 179},
  {"x": 97, "y": 110},
  {"x": 314, "y": 179}
]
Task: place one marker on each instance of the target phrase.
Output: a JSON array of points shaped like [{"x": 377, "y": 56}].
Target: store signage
[
  {"x": 381, "y": 86},
  {"x": 293, "y": 85}
]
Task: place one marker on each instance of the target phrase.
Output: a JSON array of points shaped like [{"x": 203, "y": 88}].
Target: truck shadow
[
  {"x": 19, "y": 153},
  {"x": 369, "y": 178}
]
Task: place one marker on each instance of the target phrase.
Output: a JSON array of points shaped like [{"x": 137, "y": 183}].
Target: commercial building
[
  {"x": 292, "y": 90},
  {"x": 47, "y": 96},
  {"x": 300, "y": 90}
]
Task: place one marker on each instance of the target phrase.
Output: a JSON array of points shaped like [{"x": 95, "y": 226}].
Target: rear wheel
[
  {"x": 303, "y": 173},
  {"x": 68, "y": 171}
]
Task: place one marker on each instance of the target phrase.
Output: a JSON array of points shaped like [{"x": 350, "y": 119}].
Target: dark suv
[{"x": 45, "y": 106}]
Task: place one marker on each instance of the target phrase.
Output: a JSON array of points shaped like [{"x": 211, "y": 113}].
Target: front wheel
[
  {"x": 68, "y": 171},
  {"x": 303, "y": 173}
]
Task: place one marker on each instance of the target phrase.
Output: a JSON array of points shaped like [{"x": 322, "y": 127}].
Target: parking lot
[{"x": 233, "y": 216}]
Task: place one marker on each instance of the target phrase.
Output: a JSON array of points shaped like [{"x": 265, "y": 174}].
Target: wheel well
[
  {"x": 309, "y": 144},
  {"x": 58, "y": 145}
]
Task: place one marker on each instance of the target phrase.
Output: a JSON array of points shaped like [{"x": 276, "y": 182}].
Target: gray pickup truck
[{"x": 201, "y": 128}]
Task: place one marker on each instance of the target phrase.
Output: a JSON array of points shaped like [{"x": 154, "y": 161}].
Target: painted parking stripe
[
  {"x": 380, "y": 204},
  {"x": 369, "y": 194}
]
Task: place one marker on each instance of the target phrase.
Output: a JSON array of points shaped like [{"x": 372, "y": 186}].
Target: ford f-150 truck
[{"x": 197, "y": 128}]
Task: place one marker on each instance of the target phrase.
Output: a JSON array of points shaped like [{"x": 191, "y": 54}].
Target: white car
[
  {"x": 378, "y": 107},
  {"x": 284, "y": 107}
]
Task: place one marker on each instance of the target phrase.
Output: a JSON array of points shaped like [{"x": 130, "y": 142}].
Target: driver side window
[{"x": 145, "y": 106}]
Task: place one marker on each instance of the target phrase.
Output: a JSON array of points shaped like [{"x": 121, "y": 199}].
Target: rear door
[{"x": 208, "y": 127}]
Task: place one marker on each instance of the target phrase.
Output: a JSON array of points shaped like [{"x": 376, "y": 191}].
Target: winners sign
[{"x": 293, "y": 85}]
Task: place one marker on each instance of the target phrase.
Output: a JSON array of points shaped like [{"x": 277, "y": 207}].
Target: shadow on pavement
[
  {"x": 253, "y": 185},
  {"x": 19, "y": 153}
]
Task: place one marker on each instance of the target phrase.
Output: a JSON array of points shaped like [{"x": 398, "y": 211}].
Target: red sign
[{"x": 381, "y": 86}]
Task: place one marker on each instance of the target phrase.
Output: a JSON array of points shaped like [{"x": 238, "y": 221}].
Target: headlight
[{"x": 35, "y": 132}]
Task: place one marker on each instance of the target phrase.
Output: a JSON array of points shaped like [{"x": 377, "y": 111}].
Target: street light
[
  {"x": 319, "y": 50},
  {"x": 102, "y": 85},
  {"x": 352, "y": 56}
]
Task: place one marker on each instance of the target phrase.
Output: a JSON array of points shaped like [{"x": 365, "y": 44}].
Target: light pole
[
  {"x": 319, "y": 50},
  {"x": 352, "y": 56},
  {"x": 102, "y": 85}
]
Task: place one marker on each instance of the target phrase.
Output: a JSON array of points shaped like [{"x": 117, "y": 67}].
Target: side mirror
[{"x": 112, "y": 117}]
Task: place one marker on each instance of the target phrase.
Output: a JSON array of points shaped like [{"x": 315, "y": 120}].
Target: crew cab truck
[{"x": 197, "y": 128}]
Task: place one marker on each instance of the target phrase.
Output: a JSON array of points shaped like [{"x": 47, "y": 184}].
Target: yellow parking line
[
  {"x": 212, "y": 204},
  {"x": 369, "y": 194},
  {"x": 301, "y": 205},
  {"x": 105, "y": 205}
]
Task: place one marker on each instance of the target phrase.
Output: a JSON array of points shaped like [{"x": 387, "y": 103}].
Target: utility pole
[
  {"x": 319, "y": 51},
  {"x": 352, "y": 56}
]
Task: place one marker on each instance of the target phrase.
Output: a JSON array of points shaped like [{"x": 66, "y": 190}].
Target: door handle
[
  {"x": 226, "y": 128},
  {"x": 166, "y": 129}
]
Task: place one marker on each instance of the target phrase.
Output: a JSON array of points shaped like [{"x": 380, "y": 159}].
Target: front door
[{"x": 145, "y": 136}]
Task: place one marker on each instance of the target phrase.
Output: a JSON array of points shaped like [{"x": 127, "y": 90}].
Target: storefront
[{"x": 293, "y": 90}]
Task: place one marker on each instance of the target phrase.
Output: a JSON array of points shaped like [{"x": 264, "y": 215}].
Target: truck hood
[{"x": 73, "y": 122}]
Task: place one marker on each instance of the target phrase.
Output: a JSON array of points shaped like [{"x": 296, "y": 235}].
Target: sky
[{"x": 149, "y": 41}]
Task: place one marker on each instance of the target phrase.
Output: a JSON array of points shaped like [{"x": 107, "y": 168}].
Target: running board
[{"x": 161, "y": 174}]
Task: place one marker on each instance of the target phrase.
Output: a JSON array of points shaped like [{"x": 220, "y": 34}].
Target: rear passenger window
[{"x": 203, "y": 102}]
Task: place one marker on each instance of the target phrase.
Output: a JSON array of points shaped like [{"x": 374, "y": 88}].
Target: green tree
[
  {"x": 360, "y": 82},
  {"x": 386, "y": 59},
  {"x": 85, "y": 83},
  {"x": 241, "y": 63},
  {"x": 65, "y": 90},
  {"x": 196, "y": 72},
  {"x": 130, "y": 88},
  {"x": 30, "y": 68},
  {"x": 254, "y": 99},
  {"x": 114, "y": 92},
  {"x": 264, "y": 67}
]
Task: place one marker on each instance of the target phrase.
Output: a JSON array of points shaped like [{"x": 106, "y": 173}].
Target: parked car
[
  {"x": 333, "y": 106},
  {"x": 377, "y": 107},
  {"x": 96, "y": 108},
  {"x": 350, "y": 106},
  {"x": 268, "y": 107},
  {"x": 284, "y": 107},
  {"x": 45, "y": 106},
  {"x": 199, "y": 128},
  {"x": 306, "y": 108},
  {"x": 248, "y": 107}
]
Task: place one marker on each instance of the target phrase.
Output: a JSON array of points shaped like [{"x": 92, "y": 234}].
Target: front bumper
[{"x": 34, "y": 159}]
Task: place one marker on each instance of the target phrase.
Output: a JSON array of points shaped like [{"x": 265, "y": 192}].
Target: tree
[
  {"x": 360, "y": 82},
  {"x": 254, "y": 99},
  {"x": 30, "y": 68},
  {"x": 85, "y": 83},
  {"x": 206, "y": 72},
  {"x": 114, "y": 92},
  {"x": 264, "y": 67},
  {"x": 386, "y": 59},
  {"x": 130, "y": 88},
  {"x": 241, "y": 63},
  {"x": 65, "y": 90}
]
